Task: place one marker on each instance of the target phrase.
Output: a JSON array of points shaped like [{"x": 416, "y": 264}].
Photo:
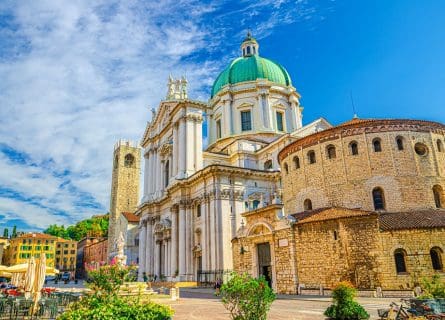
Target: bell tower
[{"x": 124, "y": 187}]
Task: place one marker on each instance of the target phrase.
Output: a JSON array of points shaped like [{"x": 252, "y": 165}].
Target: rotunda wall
[{"x": 331, "y": 173}]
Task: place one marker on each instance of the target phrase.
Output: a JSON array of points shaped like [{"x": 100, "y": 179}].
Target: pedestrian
[
  {"x": 144, "y": 276},
  {"x": 217, "y": 286}
]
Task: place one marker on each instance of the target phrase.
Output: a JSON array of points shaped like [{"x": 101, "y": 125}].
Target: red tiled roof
[
  {"x": 412, "y": 220},
  {"x": 131, "y": 217},
  {"x": 329, "y": 213},
  {"x": 37, "y": 236}
]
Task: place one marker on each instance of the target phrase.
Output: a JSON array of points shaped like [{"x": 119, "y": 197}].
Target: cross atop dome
[{"x": 249, "y": 46}]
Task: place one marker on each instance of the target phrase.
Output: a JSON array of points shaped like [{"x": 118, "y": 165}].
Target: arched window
[
  {"x": 255, "y": 204},
  {"x": 399, "y": 141},
  {"x": 286, "y": 168},
  {"x": 439, "y": 145},
  {"x": 297, "y": 162},
  {"x": 129, "y": 160},
  {"x": 166, "y": 173},
  {"x": 377, "y": 144},
  {"x": 438, "y": 196},
  {"x": 378, "y": 198},
  {"x": 248, "y": 50},
  {"x": 268, "y": 165},
  {"x": 436, "y": 258},
  {"x": 116, "y": 161},
  {"x": 307, "y": 204},
  {"x": 399, "y": 258},
  {"x": 311, "y": 157},
  {"x": 330, "y": 150},
  {"x": 353, "y": 146}
]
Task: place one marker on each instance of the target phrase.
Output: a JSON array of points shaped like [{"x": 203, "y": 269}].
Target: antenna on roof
[{"x": 353, "y": 106}]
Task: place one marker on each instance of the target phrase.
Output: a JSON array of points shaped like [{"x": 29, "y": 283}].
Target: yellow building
[
  {"x": 66, "y": 253},
  {"x": 23, "y": 247}
]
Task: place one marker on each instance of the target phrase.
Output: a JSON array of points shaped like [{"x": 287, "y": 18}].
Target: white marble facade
[{"x": 193, "y": 198}]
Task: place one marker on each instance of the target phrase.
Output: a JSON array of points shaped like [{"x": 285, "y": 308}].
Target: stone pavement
[{"x": 201, "y": 304}]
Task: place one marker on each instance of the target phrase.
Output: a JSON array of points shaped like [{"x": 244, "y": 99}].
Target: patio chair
[
  {"x": 48, "y": 309},
  {"x": 22, "y": 308}
]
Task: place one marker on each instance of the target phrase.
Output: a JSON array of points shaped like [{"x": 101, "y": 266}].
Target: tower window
[
  {"x": 330, "y": 150},
  {"x": 307, "y": 204},
  {"x": 353, "y": 146},
  {"x": 438, "y": 196},
  {"x": 198, "y": 210},
  {"x": 439, "y": 145},
  {"x": 311, "y": 157},
  {"x": 218, "y": 129},
  {"x": 286, "y": 168},
  {"x": 248, "y": 50},
  {"x": 436, "y": 258},
  {"x": 116, "y": 162},
  {"x": 268, "y": 165},
  {"x": 378, "y": 198},
  {"x": 399, "y": 141},
  {"x": 377, "y": 144},
  {"x": 255, "y": 204},
  {"x": 280, "y": 121},
  {"x": 129, "y": 160},
  {"x": 297, "y": 162},
  {"x": 246, "y": 121},
  {"x": 399, "y": 258}
]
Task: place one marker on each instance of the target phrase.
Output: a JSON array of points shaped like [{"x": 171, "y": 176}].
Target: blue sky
[{"x": 77, "y": 76}]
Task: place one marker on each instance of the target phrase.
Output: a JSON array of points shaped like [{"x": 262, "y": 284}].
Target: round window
[{"x": 421, "y": 149}]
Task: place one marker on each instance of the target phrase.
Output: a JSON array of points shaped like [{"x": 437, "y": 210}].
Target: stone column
[
  {"x": 182, "y": 237},
  {"x": 146, "y": 176},
  {"x": 174, "y": 242},
  {"x": 174, "y": 161},
  {"x": 190, "y": 150},
  {"x": 212, "y": 234},
  {"x": 204, "y": 221},
  {"x": 158, "y": 174},
  {"x": 188, "y": 240},
  {"x": 198, "y": 142},
  {"x": 142, "y": 232},
  {"x": 182, "y": 149},
  {"x": 157, "y": 256},
  {"x": 149, "y": 248},
  {"x": 153, "y": 173}
]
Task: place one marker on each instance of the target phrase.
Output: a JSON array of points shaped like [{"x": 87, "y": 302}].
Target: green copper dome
[{"x": 251, "y": 68}]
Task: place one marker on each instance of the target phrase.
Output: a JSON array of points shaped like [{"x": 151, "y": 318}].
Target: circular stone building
[{"x": 391, "y": 165}]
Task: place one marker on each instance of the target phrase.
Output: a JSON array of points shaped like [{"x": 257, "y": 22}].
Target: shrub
[
  {"x": 433, "y": 288},
  {"x": 247, "y": 298},
  {"x": 344, "y": 306},
  {"x": 105, "y": 304}
]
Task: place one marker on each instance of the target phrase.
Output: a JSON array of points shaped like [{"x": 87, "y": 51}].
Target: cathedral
[
  {"x": 193, "y": 198},
  {"x": 305, "y": 206}
]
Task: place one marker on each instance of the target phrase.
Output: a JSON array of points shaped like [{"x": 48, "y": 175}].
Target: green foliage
[
  {"x": 247, "y": 298},
  {"x": 106, "y": 280},
  {"x": 104, "y": 302},
  {"x": 433, "y": 288},
  {"x": 115, "y": 308},
  {"x": 14, "y": 232},
  {"x": 5, "y": 233},
  {"x": 96, "y": 226},
  {"x": 344, "y": 307}
]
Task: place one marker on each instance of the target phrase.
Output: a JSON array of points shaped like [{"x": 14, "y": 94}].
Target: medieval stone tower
[{"x": 124, "y": 186}]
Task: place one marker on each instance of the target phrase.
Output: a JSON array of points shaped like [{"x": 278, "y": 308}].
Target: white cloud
[{"x": 78, "y": 75}]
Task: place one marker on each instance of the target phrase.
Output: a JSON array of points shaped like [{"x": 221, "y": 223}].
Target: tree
[
  {"x": 14, "y": 232},
  {"x": 5, "y": 233},
  {"x": 247, "y": 298},
  {"x": 97, "y": 226}
]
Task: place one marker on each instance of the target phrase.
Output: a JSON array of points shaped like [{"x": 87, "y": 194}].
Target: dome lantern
[{"x": 249, "y": 46}]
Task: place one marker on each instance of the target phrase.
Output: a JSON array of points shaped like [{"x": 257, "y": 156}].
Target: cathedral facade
[{"x": 193, "y": 198}]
